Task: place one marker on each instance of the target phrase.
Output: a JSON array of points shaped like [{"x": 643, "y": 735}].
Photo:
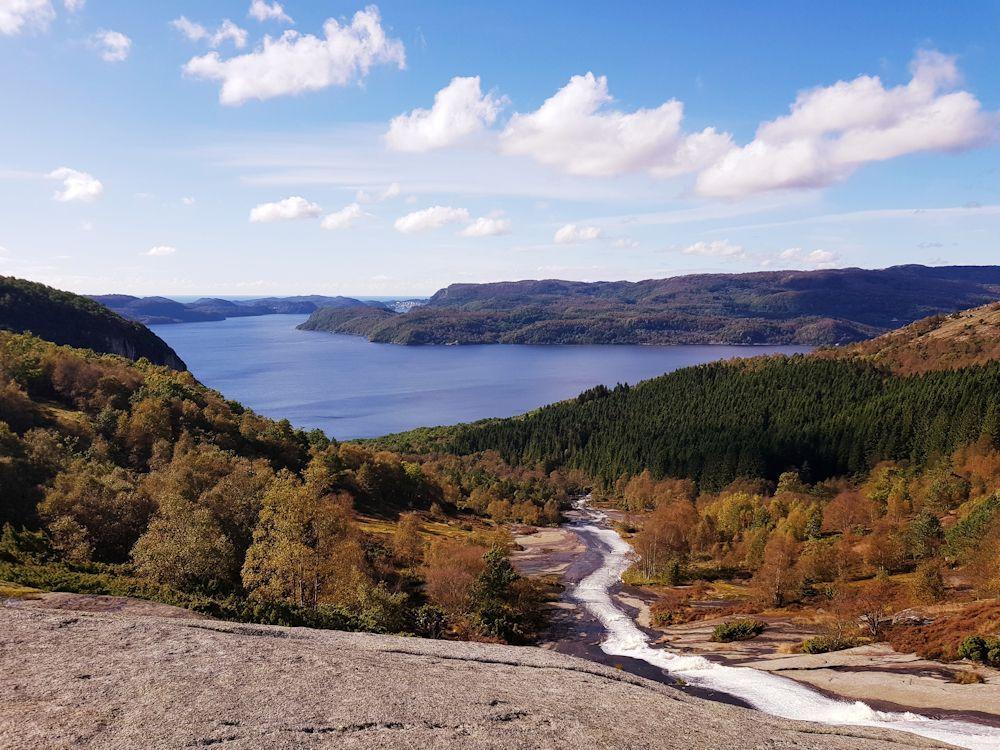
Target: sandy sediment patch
[
  {"x": 546, "y": 551},
  {"x": 872, "y": 673}
]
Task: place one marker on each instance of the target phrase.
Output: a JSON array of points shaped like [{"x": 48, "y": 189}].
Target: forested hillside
[
  {"x": 747, "y": 418},
  {"x": 850, "y": 483},
  {"x": 129, "y": 478},
  {"x": 777, "y": 307},
  {"x": 66, "y": 318}
]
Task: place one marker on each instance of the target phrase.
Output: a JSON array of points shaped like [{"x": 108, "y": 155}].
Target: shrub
[
  {"x": 984, "y": 649},
  {"x": 968, "y": 677},
  {"x": 742, "y": 629},
  {"x": 822, "y": 644}
]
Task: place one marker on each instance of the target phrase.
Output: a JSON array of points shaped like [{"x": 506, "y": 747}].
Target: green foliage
[
  {"x": 753, "y": 418},
  {"x": 984, "y": 649},
  {"x": 504, "y": 605},
  {"x": 822, "y": 644},
  {"x": 963, "y": 538},
  {"x": 742, "y": 629},
  {"x": 65, "y": 318}
]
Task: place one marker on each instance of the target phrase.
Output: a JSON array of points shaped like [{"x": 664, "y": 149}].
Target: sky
[{"x": 243, "y": 148}]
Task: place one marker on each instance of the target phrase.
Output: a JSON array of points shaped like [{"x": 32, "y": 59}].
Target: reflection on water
[{"x": 350, "y": 387}]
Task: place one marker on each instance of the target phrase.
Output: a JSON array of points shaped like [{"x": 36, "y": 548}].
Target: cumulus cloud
[
  {"x": 232, "y": 32},
  {"x": 227, "y": 30},
  {"x": 832, "y": 131},
  {"x": 460, "y": 109},
  {"x": 294, "y": 207},
  {"x": 573, "y": 233},
  {"x": 430, "y": 218},
  {"x": 77, "y": 186},
  {"x": 575, "y": 132},
  {"x": 194, "y": 32},
  {"x": 487, "y": 226},
  {"x": 188, "y": 200},
  {"x": 295, "y": 63},
  {"x": 344, "y": 218},
  {"x": 263, "y": 11},
  {"x": 716, "y": 249},
  {"x": 113, "y": 46},
  {"x": 626, "y": 243},
  {"x": 20, "y": 15},
  {"x": 388, "y": 192},
  {"x": 812, "y": 258},
  {"x": 74, "y": 5},
  {"x": 159, "y": 251}
]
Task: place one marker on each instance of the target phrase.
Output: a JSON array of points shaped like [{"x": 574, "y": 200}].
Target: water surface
[
  {"x": 350, "y": 387},
  {"x": 762, "y": 690}
]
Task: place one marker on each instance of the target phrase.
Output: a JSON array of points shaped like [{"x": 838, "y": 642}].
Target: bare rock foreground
[{"x": 98, "y": 680}]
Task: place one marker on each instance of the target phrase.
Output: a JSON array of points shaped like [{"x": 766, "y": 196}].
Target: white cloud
[
  {"x": 832, "y": 131},
  {"x": 77, "y": 186},
  {"x": 295, "y": 63},
  {"x": 287, "y": 209},
  {"x": 114, "y": 46},
  {"x": 160, "y": 251},
  {"x": 195, "y": 32},
  {"x": 263, "y": 11},
  {"x": 573, "y": 132},
  {"x": 18, "y": 15},
  {"x": 388, "y": 192},
  {"x": 487, "y": 226},
  {"x": 74, "y": 5},
  {"x": 626, "y": 243},
  {"x": 188, "y": 200},
  {"x": 430, "y": 218},
  {"x": 232, "y": 32},
  {"x": 344, "y": 218},
  {"x": 716, "y": 249},
  {"x": 572, "y": 233},
  {"x": 460, "y": 109},
  {"x": 813, "y": 258}
]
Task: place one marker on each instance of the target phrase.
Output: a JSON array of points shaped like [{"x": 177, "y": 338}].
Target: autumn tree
[
  {"x": 869, "y": 603},
  {"x": 777, "y": 581},
  {"x": 662, "y": 544},
  {"x": 407, "y": 542},
  {"x": 185, "y": 547}
]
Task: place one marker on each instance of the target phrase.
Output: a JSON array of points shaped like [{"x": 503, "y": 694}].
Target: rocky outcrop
[
  {"x": 66, "y": 318},
  {"x": 86, "y": 680}
]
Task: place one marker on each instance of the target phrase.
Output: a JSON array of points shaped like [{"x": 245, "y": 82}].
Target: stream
[{"x": 766, "y": 692}]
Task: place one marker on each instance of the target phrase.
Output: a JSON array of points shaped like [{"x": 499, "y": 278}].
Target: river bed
[{"x": 604, "y": 630}]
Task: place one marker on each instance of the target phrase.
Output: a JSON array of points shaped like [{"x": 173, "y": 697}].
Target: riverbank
[{"x": 598, "y": 614}]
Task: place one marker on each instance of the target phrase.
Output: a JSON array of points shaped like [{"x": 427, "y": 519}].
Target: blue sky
[{"x": 142, "y": 154}]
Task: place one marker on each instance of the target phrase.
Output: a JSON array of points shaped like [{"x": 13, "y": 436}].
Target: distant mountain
[
  {"x": 65, "y": 318},
  {"x": 941, "y": 342},
  {"x": 836, "y": 306},
  {"x": 357, "y": 320},
  {"x": 911, "y": 395},
  {"x": 161, "y": 310}
]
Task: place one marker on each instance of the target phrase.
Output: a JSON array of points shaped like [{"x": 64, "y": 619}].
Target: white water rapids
[{"x": 762, "y": 690}]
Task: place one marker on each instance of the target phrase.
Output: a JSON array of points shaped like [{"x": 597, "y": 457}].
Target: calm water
[{"x": 350, "y": 387}]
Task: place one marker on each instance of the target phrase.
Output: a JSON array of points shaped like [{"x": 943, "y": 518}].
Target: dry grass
[
  {"x": 968, "y": 677},
  {"x": 940, "y": 639},
  {"x": 15, "y": 591}
]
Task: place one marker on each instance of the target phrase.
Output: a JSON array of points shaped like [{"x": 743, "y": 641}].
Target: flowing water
[{"x": 764, "y": 691}]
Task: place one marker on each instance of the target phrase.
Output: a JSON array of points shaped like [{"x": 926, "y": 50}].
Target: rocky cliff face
[
  {"x": 85, "y": 680},
  {"x": 65, "y": 318}
]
